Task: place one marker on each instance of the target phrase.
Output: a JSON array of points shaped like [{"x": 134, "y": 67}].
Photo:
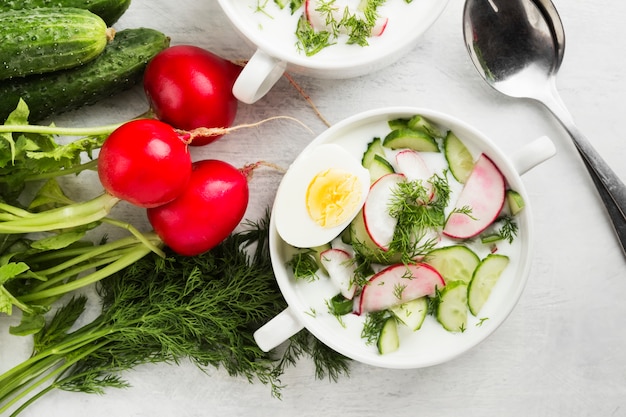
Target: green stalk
[
  {"x": 127, "y": 259},
  {"x": 22, "y": 373},
  {"x": 66, "y": 217},
  {"x": 62, "y": 131},
  {"x": 54, "y": 373}
]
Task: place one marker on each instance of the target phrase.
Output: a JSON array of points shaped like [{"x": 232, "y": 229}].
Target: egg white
[{"x": 293, "y": 223}]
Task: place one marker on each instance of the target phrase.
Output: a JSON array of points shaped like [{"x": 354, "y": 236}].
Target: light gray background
[{"x": 562, "y": 351}]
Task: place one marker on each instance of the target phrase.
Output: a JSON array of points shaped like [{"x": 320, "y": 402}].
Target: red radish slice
[
  {"x": 484, "y": 194},
  {"x": 399, "y": 284},
  {"x": 412, "y": 165},
  {"x": 380, "y": 225},
  {"x": 340, "y": 267},
  {"x": 321, "y": 17}
]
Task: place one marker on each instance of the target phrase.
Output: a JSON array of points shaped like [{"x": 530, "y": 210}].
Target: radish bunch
[{"x": 192, "y": 206}]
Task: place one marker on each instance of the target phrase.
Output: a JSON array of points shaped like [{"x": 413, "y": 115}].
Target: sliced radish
[
  {"x": 399, "y": 284},
  {"x": 326, "y": 18},
  {"x": 483, "y": 194},
  {"x": 412, "y": 165},
  {"x": 340, "y": 267},
  {"x": 380, "y": 225}
]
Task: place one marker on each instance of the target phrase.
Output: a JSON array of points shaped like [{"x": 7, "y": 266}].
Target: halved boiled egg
[{"x": 319, "y": 196}]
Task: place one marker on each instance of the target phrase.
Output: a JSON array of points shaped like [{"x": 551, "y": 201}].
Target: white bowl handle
[
  {"x": 277, "y": 330},
  {"x": 533, "y": 154},
  {"x": 258, "y": 76}
]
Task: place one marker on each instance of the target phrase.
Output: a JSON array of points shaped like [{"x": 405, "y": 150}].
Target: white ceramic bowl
[
  {"x": 431, "y": 344},
  {"x": 272, "y": 33}
]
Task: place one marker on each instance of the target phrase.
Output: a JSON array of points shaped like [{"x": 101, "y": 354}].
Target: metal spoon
[{"x": 517, "y": 46}]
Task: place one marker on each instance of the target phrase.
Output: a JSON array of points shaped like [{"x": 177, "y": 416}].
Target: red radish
[
  {"x": 483, "y": 194},
  {"x": 380, "y": 225},
  {"x": 144, "y": 162},
  {"x": 412, "y": 165},
  {"x": 341, "y": 268},
  {"x": 316, "y": 12},
  {"x": 209, "y": 209},
  {"x": 399, "y": 284},
  {"x": 190, "y": 87}
]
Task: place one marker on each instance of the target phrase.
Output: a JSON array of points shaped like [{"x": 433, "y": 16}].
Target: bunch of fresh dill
[{"x": 204, "y": 309}]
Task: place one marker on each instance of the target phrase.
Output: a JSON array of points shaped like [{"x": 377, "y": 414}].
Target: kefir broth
[
  {"x": 431, "y": 344},
  {"x": 275, "y": 29}
]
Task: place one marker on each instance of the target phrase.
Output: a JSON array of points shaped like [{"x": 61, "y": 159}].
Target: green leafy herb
[
  {"x": 304, "y": 265},
  {"x": 203, "y": 308}
]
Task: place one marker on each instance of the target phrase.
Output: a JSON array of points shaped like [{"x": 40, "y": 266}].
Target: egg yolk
[{"x": 332, "y": 197}]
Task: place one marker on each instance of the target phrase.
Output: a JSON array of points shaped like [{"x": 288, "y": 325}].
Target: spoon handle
[{"x": 611, "y": 189}]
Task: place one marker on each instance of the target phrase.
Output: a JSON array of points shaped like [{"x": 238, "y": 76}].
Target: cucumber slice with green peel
[
  {"x": 379, "y": 167},
  {"x": 411, "y": 139},
  {"x": 375, "y": 147},
  {"x": 388, "y": 339},
  {"x": 412, "y": 313},
  {"x": 485, "y": 278},
  {"x": 398, "y": 123},
  {"x": 454, "y": 263},
  {"x": 452, "y": 309},
  {"x": 418, "y": 122},
  {"x": 317, "y": 251},
  {"x": 459, "y": 158},
  {"x": 515, "y": 201}
]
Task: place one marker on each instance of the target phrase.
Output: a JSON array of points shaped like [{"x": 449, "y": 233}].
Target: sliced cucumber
[
  {"x": 398, "y": 123},
  {"x": 418, "y": 122},
  {"x": 379, "y": 166},
  {"x": 458, "y": 157},
  {"x": 515, "y": 202},
  {"x": 411, "y": 139},
  {"x": 452, "y": 307},
  {"x": 340, "y": 305},
  {"x": 316, "y": 253},
  {"x": 375, "y": 147},
  {"x": 388, "y": 339},
  {"x": 412, "y": 313},
  {"x": 454, "y": 263},
  {"x": 485, "y": 278}
]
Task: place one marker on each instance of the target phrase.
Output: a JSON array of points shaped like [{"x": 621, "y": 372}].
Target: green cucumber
[
  {"x": 418, "y": 122},
  {"x": 398, "y": 123},
  {"x": 109, "y": 10},
  {"x": 375, "y": 147},
  {"x": 388, "y": 339},
  {"x": 485, "y": 278},
  {"x": 37, "y": 41},
  {"x": 515, "y": 202},
  {"x": 411, "y": 139},
  {"x": 118, "y": 68},
  {"x": 459, "y": 158},
  {"x": 452, "y": 307},
  {"x": 379, "y": 167},
  {"x": 454, "y": 263},
  {"x": 412, "y": 313}
]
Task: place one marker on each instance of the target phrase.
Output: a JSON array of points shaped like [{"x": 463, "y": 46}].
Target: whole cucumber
[
  {"x": 118, "y": 68},
  {"x": 109, "y": 10},
  {"x": 49, "y": 39}
]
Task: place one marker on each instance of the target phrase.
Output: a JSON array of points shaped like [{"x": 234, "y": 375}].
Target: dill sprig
[
  {"x": 204, "y": 309},
  {"x": 420, "y": 209}
]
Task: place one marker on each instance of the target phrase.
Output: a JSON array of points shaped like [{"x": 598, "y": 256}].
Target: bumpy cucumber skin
[
  {"x": 109, "y": 10},
  {"x": 46, "y": 40},
  {"x": 118, "y": 68}
]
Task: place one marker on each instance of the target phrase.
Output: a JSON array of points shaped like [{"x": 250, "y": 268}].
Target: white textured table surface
[{"x": 562, "y": 352}]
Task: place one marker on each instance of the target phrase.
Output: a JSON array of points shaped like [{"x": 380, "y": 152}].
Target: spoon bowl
[{"x": 517, "y": 46}]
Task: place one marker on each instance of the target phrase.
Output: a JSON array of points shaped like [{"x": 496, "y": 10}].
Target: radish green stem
[
  {"x": 64, "y": 131},
  {"x": 73, "y": 215},
  {"x": 125, "y": 260}
]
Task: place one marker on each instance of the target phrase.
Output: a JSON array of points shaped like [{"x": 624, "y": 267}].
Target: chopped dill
[
  {"x": 373, "y": 324},
  {"x": 304, "y": 265}
]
